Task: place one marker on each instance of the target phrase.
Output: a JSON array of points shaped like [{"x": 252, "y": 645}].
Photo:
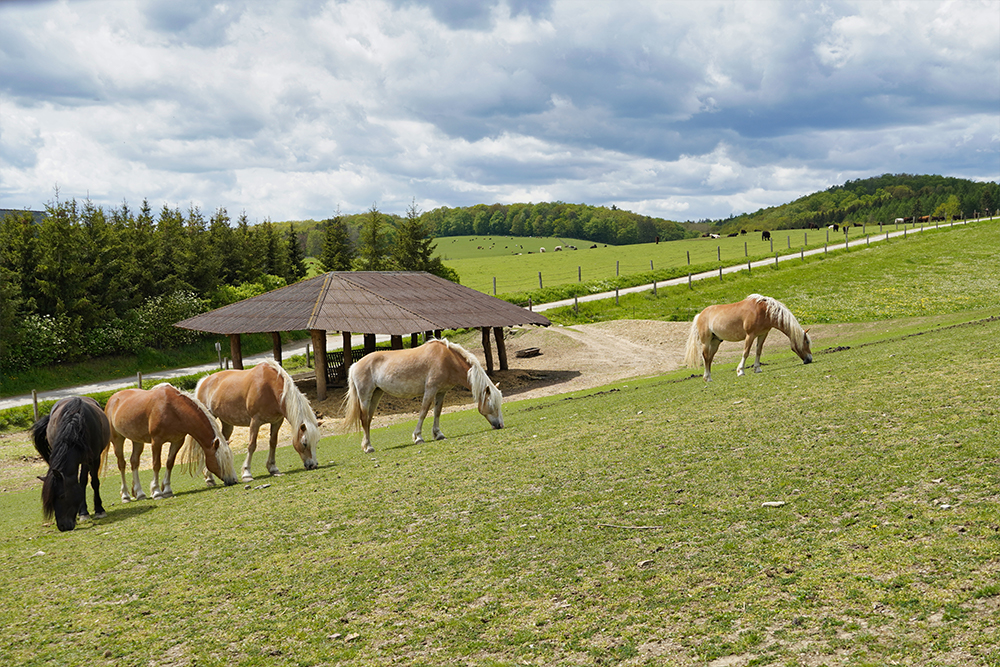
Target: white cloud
[{"x": 693, "y": 109}]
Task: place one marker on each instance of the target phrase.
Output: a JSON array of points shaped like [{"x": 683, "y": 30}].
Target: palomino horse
[
  {"x": 747, "y": 320},
  {"x": 428, "y": 371},
  {"x": 264, "y": 394},
  {"x": 165, "y": 414},
  {"x": 70, "y": 439}
]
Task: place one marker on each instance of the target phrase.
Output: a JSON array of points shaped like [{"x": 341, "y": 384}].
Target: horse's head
[
  {"x": 219, "y": 460},
  {"x": 804, "y": 349},
  {"x": 304, "y": 441},
  {"x": 489, "y": 405},
  {"x": 61, "y": 496}
]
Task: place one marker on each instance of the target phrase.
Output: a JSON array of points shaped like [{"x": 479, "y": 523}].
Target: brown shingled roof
[{"x": 395, "y": 303}]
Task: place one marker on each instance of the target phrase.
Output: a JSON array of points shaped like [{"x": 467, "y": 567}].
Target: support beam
[
  {"x": 501, "y": 347},
  {"x": 276, "y": 345},
  {"x": 236, "y": 351},
  {"x": 369, "y": 343},
  {"x": 428, "y": 335},
  {"x": 396, "y": 342},
  {"x": 319, "y": 349},
  {"x": 437, "y": 333},
  {"x": 487, "y": 351},
  {"x": 414, "y": 340},
  {"x": 347, "y": 347}
]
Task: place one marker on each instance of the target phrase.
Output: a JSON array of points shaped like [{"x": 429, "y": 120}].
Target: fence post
[
  {"x": 718, "y": 252},
  {"x": 789, "y": 237},
  {"x": 775, "y": 259},
  {"x": 539, "y": 280},
  {"x": 616, "y": 296},
  {"x": 745, "y": 252},
  {"x": 34, "y": 402},
  {"x": 576, "y": 306},
  {"x": 771, "y": 240},
  {"x": 650, "y": 265},
  {"x": 689, "y": 257},
  {"x": 689, "y": 281},
  {"x": 748, "y": 266},
  {"x": 529, "y": 303},
  {"x": 138, "y": 377},
  {"x": 494, "y": 285},
  {"x": 617, "y": 267},
  {"x": 654, "y": 287},
  {"x": 720, "y": 273},
  {"x": 579, "y": 275},
  {"x": 802, "y": 254}
]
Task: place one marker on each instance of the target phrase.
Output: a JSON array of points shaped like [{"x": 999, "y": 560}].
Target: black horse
[{"x": 70, "y": 439}]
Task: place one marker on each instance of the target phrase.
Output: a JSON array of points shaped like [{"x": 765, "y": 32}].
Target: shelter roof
[{"x": 376, "y": 302}]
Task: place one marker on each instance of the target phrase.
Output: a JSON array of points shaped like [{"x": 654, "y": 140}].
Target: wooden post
[
  {"x": 276, "y": 343},
  {"x": 501, "y": 347},
  {"x": 396, "y": 342},
  {"x": 369, "y": 343},
  {"x": 319, "y": 350},
  {"x": 414, "y": 340},
  {"x": 487, "y": 351},
  {"x": 437, "y": 333},
  {"x": 236, "y": 351},
  {"x": 138, "y": 379},
  {"x": 345, "y": 337},
  {"x": 428, "y": 335},
  {"x": 34, "y": 402}
]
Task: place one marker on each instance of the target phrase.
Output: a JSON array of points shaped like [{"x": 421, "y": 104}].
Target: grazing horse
[
  {"x": 165, "y": 414},
  {"x": 70, "y": 439},
  {"x": 765, "y": 235},
  {"x": 428, "y": 371},
  {"x": 264, "y": 394},
  {"x": 747, "y": 320}
]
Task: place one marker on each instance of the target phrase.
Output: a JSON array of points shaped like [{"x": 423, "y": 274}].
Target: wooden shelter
[{"x": 393, "y": 303}]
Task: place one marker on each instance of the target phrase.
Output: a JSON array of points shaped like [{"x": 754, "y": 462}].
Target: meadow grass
[
  {"x": 605, "y": 267},
  {"x": 942, "y": 271},
  {"x": 621, "y": 525}
]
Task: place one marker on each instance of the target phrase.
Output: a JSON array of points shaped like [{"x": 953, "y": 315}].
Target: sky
[{"x": 683, "y": 110}]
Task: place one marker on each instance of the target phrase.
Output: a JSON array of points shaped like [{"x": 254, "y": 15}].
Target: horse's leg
[
  {"x": 171, "y": 458},
  {"x": 425, "y": 406},
  {"x": 438, "y": 403},
  {"x": 154, "y": 486},
  {"x": 708, "y": 352},
  {"x": 272, "y": 467},
  {"x": 366, "y": 420},
  {"x": 760, "y": 348},
  {"x": 251, "y": 448},
  {"x": 747, "y": 346},
  {"x": 95, "y": 482},
  {"x": 137, "y": 446},
  {"x": 82, "y": 513},
  {"x": 119, "y": 445}
]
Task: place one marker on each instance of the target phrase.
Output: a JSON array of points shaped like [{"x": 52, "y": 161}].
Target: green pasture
[
  {"x": 603, "y": 267},
  {"x": 622, "y": 525},
  {"x": 455, "y": 248},
  {"x": 949, "y": 270}
]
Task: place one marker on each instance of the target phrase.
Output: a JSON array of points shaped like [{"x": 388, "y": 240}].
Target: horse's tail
[
  {"x": 352, "y": 405},
  {"x": 40, "y": 438},
  {"x": 692, "y": 353}
]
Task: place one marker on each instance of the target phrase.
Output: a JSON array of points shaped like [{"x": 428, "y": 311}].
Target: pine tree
[
  {"x": 373, "y": 244},
  {"x": 414, "y": 244},
  {"x": 338, "y": 253},
  {"x": 295, "y": 262}
]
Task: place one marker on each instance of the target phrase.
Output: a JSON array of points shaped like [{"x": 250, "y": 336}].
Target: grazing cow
[
  {"x": 765, "y": 235},
  {"x": 541, "y": 250},
  {"x": 924, "y": 218},
  {"x": 956, "y": 216},
  {"x": 715, "y": 236},
  {"x": 899, "y": 220},
  {"x": 907, "y": 219},
  {"x": 743, "y": 232},
  {"x": 558, "y": 248},
  {"x": 593, "y": 246},
  {"x": 937, "y": 218},
  {"x": 732, "y": 235}
]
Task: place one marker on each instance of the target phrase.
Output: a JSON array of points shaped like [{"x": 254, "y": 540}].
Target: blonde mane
[
  {"x": 783, "y": 319},
  {"x": 298, "y": 411},
  {"x": 478, "y": 379},
  {"x": 194, "y": 455}
]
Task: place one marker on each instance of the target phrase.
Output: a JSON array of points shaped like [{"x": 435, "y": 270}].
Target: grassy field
[
  {"x": 623, "y": 525},
  {"x": 601, "y": 267}
]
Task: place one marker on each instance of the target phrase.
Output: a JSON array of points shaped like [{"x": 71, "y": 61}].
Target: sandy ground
[{"x": 571, "y": 359}]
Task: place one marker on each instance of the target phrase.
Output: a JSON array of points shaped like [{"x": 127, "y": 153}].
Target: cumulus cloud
[{"x": 684, "y": 109}]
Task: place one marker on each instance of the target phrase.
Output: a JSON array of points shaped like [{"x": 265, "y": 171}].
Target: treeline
[
  {"x": 598, "y": 224},
  {"x": 880, "y": 199},
  {"x": 86, "y": 282}
]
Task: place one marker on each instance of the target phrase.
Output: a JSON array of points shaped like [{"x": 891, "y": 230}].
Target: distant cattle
[
  {"x": 593, "y": 246},
  {"x": 541, "y": 250},
  {"x": 937, "y": 218},
  {"x": 956, "y": 217},
  {"x": 765, "y": 235},
  {"x": 715, "y": 236},
  {"x": 899, "y": 220},
  {"x": 924, "y": 218},
  {"x": 743, "y": 232},
  {"x": 908, "y": 219},
  {"x": 558, "y": 248}
]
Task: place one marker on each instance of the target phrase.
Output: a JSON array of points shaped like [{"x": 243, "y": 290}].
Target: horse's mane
[
  {"x": 70, "y": 432},
  {"x": 193, "y": 455},
  {"x": 478, "y": 379},
  {"x": 783, "y": 319},
  {"x": 296, "y": 405}
]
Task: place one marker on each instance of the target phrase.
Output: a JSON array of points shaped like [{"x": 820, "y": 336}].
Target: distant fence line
[{"x": 840, "y": 234}]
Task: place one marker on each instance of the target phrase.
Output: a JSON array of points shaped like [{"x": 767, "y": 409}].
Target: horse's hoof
[
  {"x": 126, "y": 498},
  {"x": 440, "y": 436},
  {"x": 247, "y": 478},
  {"x": 140, "y": 496},
  {"x": 210, "y": 482},
  {"x": 157, "y": 495},
  {"x": 167, "y": 494},
  {"x": 369, "y": 450},
  {"x": 82, "y": 517},
  {"x": 417, "y": 441},
  {"x": 101, "y": 515},
  {"x": 275, "y": 472}
]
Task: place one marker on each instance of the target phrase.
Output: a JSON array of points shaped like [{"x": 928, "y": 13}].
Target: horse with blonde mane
[
  {"x": 747, "y": 320},
  {"x": 428, "y": 371},
  {"x": 164, "y": 414},
  {"x": 264, "y": 394}
]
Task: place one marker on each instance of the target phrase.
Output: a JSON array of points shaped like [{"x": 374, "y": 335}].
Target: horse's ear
[
  {"x": 215, "y": 445},
  {"x": 41, "y": 479},
  {"x": 807, "y": 330},
  {"x": 302, "y": 427}
]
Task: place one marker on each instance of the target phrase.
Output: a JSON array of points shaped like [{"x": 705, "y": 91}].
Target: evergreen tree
[
  {"x": 295, "y": 261},
  {"x": 414, "y": 245},
  {"x": 373, "y": 244},
  {"x": 337, "y": 253}
]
